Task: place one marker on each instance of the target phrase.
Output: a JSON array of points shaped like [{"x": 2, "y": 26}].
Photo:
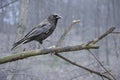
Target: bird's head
[{"x": 54, "y": 17}]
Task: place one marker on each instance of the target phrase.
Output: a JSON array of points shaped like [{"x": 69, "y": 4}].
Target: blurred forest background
[{"x": 17, "y": 17}]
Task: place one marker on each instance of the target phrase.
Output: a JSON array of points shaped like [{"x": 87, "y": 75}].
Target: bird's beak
[{"x": 59, "y": 17}]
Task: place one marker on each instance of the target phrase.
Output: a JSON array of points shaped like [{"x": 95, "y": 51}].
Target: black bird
[{"x": 40, "y": 32}]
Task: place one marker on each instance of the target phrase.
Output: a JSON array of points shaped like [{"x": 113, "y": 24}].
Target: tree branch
[
  {"x": 66, "y": 31},
  {"x": 8, "y": 4},
  {"x": 80, "y": 66},
  {"x": 26, "y": 54},
  {"x": 89, "y": 43},
  {"x": 116, "y": 32},
  {"x": 98, "y": 39},
  {"x": 101, "y": 65},
  {"x": 102, "y": 36}
]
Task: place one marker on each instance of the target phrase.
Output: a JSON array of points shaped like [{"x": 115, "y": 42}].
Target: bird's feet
[{"x": 51, "y": 48}]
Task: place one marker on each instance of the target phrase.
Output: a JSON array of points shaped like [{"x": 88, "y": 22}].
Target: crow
[{"x": 40, "y": 32}]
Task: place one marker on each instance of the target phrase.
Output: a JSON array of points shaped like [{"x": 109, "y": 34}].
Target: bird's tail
[{"x": 17, "y": 43}]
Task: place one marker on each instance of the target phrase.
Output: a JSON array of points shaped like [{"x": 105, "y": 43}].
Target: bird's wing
[
  {"x": 42, "y": 24},
  {"x": 38, "y": 30}
]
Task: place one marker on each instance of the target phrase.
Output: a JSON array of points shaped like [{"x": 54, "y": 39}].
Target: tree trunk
[{"x": 19, "y": 34}]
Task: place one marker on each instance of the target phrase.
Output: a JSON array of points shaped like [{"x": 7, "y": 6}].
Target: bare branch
[
  {"x": 101, "y": 65},
  {"x": 98, "y": 39},
  {"x": 102, "y": 36},
  {"x": 8, "y": 4},
  {"x": 26, "y": 54},
  {"x": 116, "y": 32},
  {"x": 87, "y": 69},
  {"x": 65, "y": 32},
  {"x": 91, "y": 42}
]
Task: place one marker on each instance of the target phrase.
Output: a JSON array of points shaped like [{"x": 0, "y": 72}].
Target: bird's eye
[{"x": 55, "y": 15}]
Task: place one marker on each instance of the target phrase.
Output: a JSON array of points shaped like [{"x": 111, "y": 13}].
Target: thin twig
[
  {"x": 8, "y": 4},
  {"x": 106, "y": 72},
  {"x": 102, "y": 36},
  {"x": 116, "y": 32},
  {"x": 101, "y": 64},
  {"x": 97, "y": 40},
  {"x": 66, "y": 31},
  {"x": 87, "y": 69}
]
